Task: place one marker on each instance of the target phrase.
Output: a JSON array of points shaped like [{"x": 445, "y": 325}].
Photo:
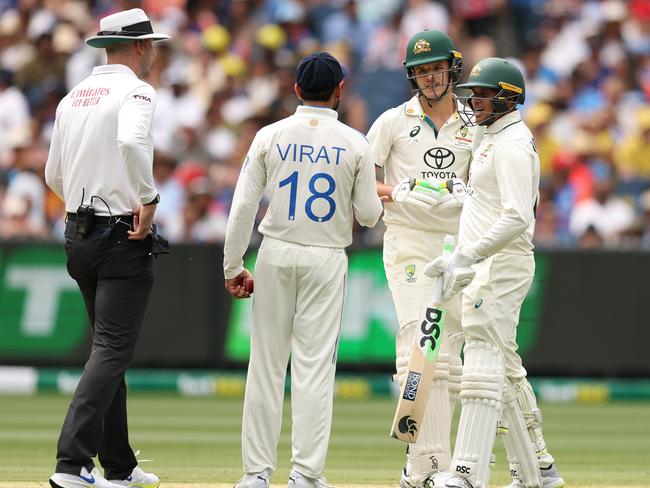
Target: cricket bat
[{"x": 414, "y": 393}]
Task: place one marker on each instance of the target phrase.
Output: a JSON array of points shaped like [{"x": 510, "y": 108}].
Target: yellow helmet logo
[
  {"x": 421, "y": 46},
  {"x": 476, "y": 70},
  {"x": 508, "y": 86}
]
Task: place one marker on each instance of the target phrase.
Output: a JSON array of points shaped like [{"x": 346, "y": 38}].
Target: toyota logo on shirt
[{"x": 439, "y": 158}]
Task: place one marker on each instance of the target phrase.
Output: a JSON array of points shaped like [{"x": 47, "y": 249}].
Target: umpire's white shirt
[
  {"x": 102, "y": 142},
  {"x": 403, "y": 142},
  {"x": 316, "y": 173},
  {"x": 498, "y": 214}
]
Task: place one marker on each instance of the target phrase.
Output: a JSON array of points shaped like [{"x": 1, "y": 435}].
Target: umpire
[{"x": 100, "y": 165}]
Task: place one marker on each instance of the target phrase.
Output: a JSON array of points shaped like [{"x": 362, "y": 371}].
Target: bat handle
[
  {"x": 437, "y": 290},
  {"x": 412, "y": 182},
  {"x": 447, "y": 248},
  {"x": 442, "y": 185}
]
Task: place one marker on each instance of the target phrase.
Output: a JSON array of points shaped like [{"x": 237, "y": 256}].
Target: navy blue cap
[{"x": 318, "y": 72}]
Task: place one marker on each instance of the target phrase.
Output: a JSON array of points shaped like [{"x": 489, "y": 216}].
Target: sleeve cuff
[
  {"x": 473, "y": 253},
  {"x": 149, "y": 199},
  {"x": 229, "y": 274}
]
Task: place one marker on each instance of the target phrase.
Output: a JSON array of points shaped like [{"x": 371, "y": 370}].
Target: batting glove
[
  {"x": 453, "y": 193},
  {"x": 456, "y": 271},
  {"x": 406, "y": 191}
]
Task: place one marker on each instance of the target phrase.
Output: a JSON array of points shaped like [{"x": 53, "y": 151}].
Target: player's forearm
[
  {"x": 384, "y": 191},
  {"x": 511, "y": 224},
  {"x": 368, "y": 215},
  {"x": 238, "y": 235}
]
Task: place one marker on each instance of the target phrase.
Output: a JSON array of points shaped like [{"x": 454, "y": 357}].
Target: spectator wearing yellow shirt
[
  {"x": 538, "y": 119},
  {"x": 633, "y": 155}
]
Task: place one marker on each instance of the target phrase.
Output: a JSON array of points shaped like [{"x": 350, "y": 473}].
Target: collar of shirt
[
  {"x": 505, "y": 121},
  {"x": 311, "y": 111},
  {"x": 414, "y": 108},
  {"x": 113, "y": 68}
]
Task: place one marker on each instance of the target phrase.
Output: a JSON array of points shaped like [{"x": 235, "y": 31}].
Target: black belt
[{"x": 104, "y": 220}]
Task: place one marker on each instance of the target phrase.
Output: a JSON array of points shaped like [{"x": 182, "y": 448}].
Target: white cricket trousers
[
  {"x": 492, "y": 302},
  {"x": 297, "y": 309},
  {"x": 406, "y": 252}
]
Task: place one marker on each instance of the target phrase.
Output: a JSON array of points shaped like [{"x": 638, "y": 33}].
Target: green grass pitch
[{"x": 195, "y": 442}]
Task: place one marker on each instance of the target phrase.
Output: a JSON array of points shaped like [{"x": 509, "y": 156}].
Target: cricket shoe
[
  {"x": 253, "y": 480},
  {"x": 437, "y": 480},
  {"x": 434, "y": 480},
  {"x": 550, "y": 479},
  {"x": 405, "y": 481},
  {"x": 84, "y": 479},
  {"x": 139, "y": 479},
  {"x": 297, "y": 480},
  {"x": 458, "y": 482}
]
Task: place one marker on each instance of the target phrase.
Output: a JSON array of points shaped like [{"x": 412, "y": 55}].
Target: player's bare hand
[
  {"x": 142, "y": 222},
  {"x": 237, "y": 286}
]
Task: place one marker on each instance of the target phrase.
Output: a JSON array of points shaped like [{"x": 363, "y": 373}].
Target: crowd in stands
[{"x": 229, "y": 69}]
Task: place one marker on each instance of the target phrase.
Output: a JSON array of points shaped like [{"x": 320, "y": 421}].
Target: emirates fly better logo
[{"x": 439, "y": 158}]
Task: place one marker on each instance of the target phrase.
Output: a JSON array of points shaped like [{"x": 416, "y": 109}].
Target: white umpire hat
[{"x": 129, "y": 25}]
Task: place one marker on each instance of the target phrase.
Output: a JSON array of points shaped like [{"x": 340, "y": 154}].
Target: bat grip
[
  {"x": 447, "y": 249},
  {"x": 412, "y": 183},
  {"x": 426, "y": 184},
  {"x": 437, "y": 290}
]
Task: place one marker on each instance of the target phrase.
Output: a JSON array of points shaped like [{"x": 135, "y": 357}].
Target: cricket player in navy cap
[{"x": 318, "y": 177}]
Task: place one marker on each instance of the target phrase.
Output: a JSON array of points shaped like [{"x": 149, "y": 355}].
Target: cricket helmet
[
  {"x": 501, "y": 75},
  {"x": 429, "y": 46}
]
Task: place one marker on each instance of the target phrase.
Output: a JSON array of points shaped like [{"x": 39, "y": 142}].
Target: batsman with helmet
[{"x": 494, "y": 267}]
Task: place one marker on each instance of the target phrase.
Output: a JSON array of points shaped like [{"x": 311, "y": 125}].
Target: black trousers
[{"x": 115, "y": 276}]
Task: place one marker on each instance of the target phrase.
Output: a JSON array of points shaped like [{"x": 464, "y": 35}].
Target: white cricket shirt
[
  {"x": 404, "y": 142},
  {"x": 102, "y": 142},
  {"x": 317, "y": 174},
  {"x": 499, "y": 210}
]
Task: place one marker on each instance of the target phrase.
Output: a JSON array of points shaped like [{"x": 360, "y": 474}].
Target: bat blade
[{"x": 414, "y": 393}]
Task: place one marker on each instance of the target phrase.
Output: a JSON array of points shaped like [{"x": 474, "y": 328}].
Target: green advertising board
[
  {"x": 369, "y": 319},
  {"x": 41, "y": 310},
  {"x": 43, "y": 319}
]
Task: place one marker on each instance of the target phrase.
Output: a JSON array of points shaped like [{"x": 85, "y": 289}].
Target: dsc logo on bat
[{"x": 430, "y": 328}]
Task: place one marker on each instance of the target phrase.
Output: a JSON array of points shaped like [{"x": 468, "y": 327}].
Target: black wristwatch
[{"x": 154, "y": 201}]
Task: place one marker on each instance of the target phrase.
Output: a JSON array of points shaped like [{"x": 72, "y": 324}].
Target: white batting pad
[
  {"x": 455, "y": 375},
  {"x": 533, "y": 418},
  {"x": 521, "y": 455},
  {"x": 481, "y": 396}
]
